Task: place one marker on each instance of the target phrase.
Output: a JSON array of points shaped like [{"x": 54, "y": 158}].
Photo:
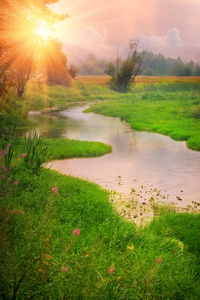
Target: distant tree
[
  {"x": 93, "y": 66},
  {"x": 73, "y": 71},
  {"x": 177, "y": 68},
  {"x": 197, "y": 70},
  {"x": 188, "y": 70},
  {"x": 122, "y": 77}
]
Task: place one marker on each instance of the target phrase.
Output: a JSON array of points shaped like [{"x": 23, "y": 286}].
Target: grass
[
  {"x": 61, "y": 238},
  {"x": 110, "y": 259},
  {"x": 66, "y": 148},
  {"x": 171, "y": 109}
]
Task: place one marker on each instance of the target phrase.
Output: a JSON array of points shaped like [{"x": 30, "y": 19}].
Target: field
[{"x": 61, "y": 237}]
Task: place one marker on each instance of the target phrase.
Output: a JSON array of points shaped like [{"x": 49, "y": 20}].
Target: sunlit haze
[
  {"x": 43, "y": 31},
  {"x": 170, "y": 27}
]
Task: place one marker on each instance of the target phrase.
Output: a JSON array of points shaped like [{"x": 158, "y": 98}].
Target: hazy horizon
[{"x": 169, "y": 27}]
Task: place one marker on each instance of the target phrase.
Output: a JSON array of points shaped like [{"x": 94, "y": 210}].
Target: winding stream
[{"x": 140, "y": 160}]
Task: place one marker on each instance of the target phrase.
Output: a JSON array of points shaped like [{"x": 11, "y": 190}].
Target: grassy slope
[
  {"x": 40, "y": 257},
  {"x": 39, "y": 251}
]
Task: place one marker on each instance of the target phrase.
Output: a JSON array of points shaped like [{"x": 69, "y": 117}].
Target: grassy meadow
[{"x": 61, "y": 237}]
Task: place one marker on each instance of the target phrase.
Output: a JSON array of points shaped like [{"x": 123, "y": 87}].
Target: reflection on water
[{"x": 138, "y": 158}]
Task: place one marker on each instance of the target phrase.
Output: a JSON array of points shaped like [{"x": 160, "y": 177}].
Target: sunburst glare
[{"x": 44, "y": 31}]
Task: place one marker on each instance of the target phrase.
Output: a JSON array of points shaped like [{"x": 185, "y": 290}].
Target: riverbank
[
  {"x": 63, "y": 238},
  {"x": 172, "y": 109}
]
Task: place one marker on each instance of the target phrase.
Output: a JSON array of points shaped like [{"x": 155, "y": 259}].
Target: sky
[{"x": 169, "y": 27}]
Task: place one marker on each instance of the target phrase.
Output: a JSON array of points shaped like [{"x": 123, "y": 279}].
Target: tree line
[{"x": 152, "y": 65}]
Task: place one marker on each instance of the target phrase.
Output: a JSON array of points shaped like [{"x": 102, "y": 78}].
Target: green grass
[
  {"x": 112, "y": 258},
  {"x": 66, "y": 148},
  {"x": 171, "y": 109},
  {"x": 40, "y": 257}
]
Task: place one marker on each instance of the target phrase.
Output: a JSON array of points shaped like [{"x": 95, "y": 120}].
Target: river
[{"x": 143, "y": 161}]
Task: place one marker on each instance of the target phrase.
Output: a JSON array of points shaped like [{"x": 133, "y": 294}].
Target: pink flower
[
  {"x": 5, "y": 170},
  {"x": 111, "y": 270},
  {"x": 15, "y": 183},
  {"x": 76, "y": 232},
  {"x": 4, "y": 152},
  {"x": 159, "y": 260},
  {"x": 9, "y": 145},
  {"x": 21, "y": 212},
  {"x": 64, "y": 269},
  {"x": 54, "y": 190},
  {"x": 9, "y": 179},
  {"x": 23, "y": 155},
  {"x": 1, "y": 194}
]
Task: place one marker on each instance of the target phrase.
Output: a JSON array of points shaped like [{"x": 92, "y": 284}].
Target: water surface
[{"x": 138, "y": 159}]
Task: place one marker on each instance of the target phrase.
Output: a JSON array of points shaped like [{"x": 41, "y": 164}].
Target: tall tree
[{"x": 21, "y": 44}]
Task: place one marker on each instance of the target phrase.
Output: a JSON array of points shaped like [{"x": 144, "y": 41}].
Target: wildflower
[
  {"x": 64, "y": 269},
  {"x": 15, "y": 183},
  {"x": 21, "y": 212},
  {"x": 76, "y": 232},
  {"x": 9, "y": 179},
  {"x": 5, "y": 170},
  {"x": 111, "y": 270},
  {"x": 1, "y": 194},
  {"x": 4, "y": 152},
  {"x": 9, "y": 145},
  {"x": 54, "y": 190},
  {"x": 159, "y": 260},
  {"x": 23, "y": 155}
]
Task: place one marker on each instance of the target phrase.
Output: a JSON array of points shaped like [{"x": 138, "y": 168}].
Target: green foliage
[
  {"x": 8, "y": 142},
  {"x": 36, "y": 152},
  {"x": 124, "y": 75}
]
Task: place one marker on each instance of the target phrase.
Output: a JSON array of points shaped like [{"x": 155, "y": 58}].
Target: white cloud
[
  {"x": 173, "y": 37},
  {"x": 169, "y": 45}
]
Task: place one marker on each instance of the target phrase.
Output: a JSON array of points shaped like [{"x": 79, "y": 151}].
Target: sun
[{"x": 43, "y": 31}]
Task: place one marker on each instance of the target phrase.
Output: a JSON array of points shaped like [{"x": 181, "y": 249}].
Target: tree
[
  {"x": 21, "y": 48},
  {"x": 73, "y": 71},
  {"x": 93, "y": 66},
  {"x": 124, "y": 72}
]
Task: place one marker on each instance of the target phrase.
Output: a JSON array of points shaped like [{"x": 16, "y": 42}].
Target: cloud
[
  {"x": 85, "y": 40},
  {"x": 169, "y": 45},
  {"x": 170, "y": 27},
  {"x": 173, "y": 37}
]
